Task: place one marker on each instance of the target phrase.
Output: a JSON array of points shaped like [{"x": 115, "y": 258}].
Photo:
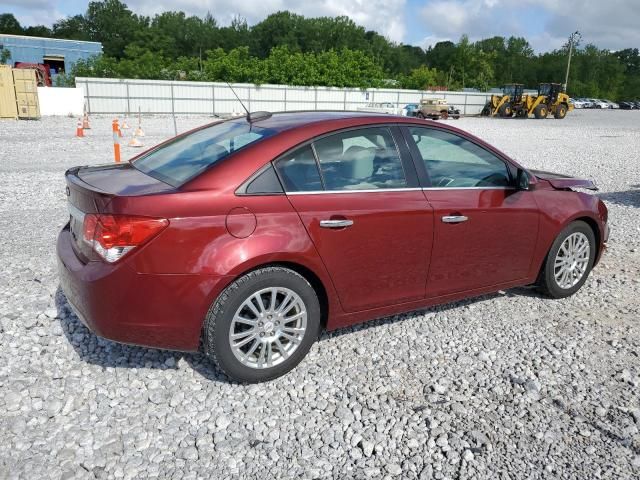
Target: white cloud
[
  {"x": 44, "y": 4},
  {"x": 613, "y": 24},
  {"x": 34, "y": 12},
  {"x": 450, "y": 19},
  {"x": 545, "y": 23},
  {"x": 383, "y": 16}
]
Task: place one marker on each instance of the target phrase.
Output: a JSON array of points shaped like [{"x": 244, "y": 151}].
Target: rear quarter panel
[{"x": 198, "y": 241}]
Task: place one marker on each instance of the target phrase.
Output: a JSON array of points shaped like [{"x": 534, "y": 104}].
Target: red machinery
[{"x": 43, "y": 72}]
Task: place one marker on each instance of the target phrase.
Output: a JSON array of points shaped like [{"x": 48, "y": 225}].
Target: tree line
[{"x": 286, "y": 48}]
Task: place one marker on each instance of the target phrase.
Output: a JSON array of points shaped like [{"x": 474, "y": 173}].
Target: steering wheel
[{"x": 493, "y": 180}]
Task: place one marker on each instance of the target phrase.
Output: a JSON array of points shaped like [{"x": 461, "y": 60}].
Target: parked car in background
[
  {"x": 580, "y": 103},
  {"x": 388, "y": 108},
  {"x": 612, "y": 105},
  {"x": 410, "y": 110},
  {"x": 436, "y": 108},
  {"x": 247, "y": 237},
  {"x": 625, "y": 105},
  {"x": 597, "y": 103}
]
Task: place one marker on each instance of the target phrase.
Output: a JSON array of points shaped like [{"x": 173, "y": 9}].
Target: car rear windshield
[{"x": 185, "y": 157}]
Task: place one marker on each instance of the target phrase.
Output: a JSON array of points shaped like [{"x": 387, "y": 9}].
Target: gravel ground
[{"x": 510, "y": 385}]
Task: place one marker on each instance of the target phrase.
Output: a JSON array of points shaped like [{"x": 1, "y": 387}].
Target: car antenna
[
  {"x": 236, "y": 95},
  {"x": 250, "y": 117}
]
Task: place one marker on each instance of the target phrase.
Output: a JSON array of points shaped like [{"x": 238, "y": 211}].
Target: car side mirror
[{"x": 522, "y": 180}]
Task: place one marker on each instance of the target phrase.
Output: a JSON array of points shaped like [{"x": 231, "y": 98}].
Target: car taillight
[{"x": 113, "y": 236}]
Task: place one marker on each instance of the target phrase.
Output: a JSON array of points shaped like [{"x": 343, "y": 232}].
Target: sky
[{"x": 611, "y": 24}]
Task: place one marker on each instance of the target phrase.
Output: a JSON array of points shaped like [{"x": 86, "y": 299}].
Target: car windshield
[{"x": 185, "y": 157}]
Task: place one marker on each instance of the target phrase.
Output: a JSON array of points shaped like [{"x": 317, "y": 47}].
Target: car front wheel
[
  {"x": 262, "y": 325},
  {"x": 569, "y": 261}
]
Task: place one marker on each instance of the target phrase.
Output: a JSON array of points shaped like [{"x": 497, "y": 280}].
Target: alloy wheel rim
[
  {"x": 572, "y": 260},
  {"x": 268, "y": 327}
]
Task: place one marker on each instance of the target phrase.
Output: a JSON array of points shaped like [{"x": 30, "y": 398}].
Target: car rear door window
[
  {"x": 452, "y": 161},
  {"x": 363, "y": 159},
  {"x": 298, "y": 171}
]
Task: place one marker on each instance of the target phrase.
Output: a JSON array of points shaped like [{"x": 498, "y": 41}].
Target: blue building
[{"x": 58, "y": 54}]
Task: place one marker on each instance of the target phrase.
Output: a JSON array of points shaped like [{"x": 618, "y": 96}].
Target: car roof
[{"x": 281, "y": 121}]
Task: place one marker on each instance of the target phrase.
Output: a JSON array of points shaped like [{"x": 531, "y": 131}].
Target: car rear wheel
[
  {"x": 569, "y": 261},
  {"x": 262, "y": 325}
]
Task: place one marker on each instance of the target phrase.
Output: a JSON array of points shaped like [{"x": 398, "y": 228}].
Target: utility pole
[{"x": 574, "y": 38}]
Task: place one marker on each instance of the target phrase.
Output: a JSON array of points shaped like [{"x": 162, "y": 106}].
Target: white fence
[
  {"x": 117, "y": 96},
  {"x": 61, "y": 101}
]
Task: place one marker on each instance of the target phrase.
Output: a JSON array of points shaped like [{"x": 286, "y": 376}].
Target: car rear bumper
[{"x": 117, "y": 303}]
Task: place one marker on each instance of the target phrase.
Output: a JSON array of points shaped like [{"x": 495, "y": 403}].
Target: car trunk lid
[{"x": 92, "y": 189}]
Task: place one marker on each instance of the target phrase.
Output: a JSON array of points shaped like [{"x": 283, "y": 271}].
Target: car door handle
[
  {"x": 336, "y": 223},
  {"x": 454, "y": 219}
]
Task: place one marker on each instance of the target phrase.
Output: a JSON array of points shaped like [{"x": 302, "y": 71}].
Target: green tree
[
  {"x": 441, "y": 55},
  {"x": 10, "y": 25},
  {"x": 335, "y": 51},
  {"x": 5, "y": 56},
  {"x": 420, "y": 78},
  {"x": 235, "y": 35},
  {"x": 112, "y": 23},
  {"x": 73, "y": 28}
]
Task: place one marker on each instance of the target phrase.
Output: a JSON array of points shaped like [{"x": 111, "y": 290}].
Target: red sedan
[{"x": 247, "y": 237}]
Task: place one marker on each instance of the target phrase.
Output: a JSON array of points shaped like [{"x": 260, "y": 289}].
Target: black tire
[
  {"x": 561, "y": 111},
  {"x": 541, "y": 111},
  {"x": 522, "y": 113},
  {"x": 547, "y": 283},
  {"x": 420, "y": 115},
  {"x": 486, "y": 110},
  {"x": 219, "y": 321},
  {"x": 505, "y": 110}
]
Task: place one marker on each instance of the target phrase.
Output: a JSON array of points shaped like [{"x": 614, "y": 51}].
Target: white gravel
[{"x": 506, "y": 386}]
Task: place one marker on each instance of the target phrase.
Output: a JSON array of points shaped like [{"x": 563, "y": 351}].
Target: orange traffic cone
[
  {"x": 79, "y": 129},
  {"x": 116, "y": 140},
  {"x": 138, "y": 132},
  {"x": 135, "y": 142},
  {"x": 85, "y": 122}
]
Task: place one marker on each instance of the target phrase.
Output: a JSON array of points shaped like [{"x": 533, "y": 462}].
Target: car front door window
[{"x": 452, "y": 161}]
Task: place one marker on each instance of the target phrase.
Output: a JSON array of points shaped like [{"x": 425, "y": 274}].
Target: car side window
[
  {"x": 361, "y": 159},
  {"x": 454, "y": 162},
  {"x": 298, "y": 171}
]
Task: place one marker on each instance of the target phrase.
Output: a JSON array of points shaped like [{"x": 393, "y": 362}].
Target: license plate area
[
  {"x": 76, "y": 227},
  {"x": 76, "y": 222}
]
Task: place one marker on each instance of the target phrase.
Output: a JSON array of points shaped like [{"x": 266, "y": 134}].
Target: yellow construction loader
[
  {"x": 555, "y": 98},
  {"x": 502, "y": 105},
  {"x": 551, "y": 99}
]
